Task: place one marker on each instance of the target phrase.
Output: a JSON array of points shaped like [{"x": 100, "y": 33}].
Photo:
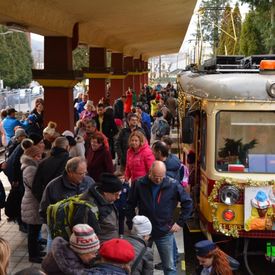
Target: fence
[{"x": 21, "y": 99}]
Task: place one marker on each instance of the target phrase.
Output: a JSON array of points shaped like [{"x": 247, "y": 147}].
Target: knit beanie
[
  {"x": 109, "y": 183},
  {"x": 19, "y": 133},
  {"x": 141, "y": 226},
  {"x": 117, "y": 250},
  {"x": 83, "y": 239},
  {"x": 32, "y": 151},
  {"x": 50, "y": 129}
]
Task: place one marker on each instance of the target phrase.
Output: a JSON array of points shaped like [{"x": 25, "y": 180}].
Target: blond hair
[
  {"x": 140, "y": 136},
  {"x": 4, "y": 256}
]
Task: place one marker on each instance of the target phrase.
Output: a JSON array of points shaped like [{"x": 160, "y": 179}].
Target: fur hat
[
  {"x": 83, "y": 239},
  {"x": 50, "y": 129},
  {"x": 142, "y": 226},
  {"x": 32, "y": 151},
  {"x": 117, "y": 250},
  {"x": 110, "y": 183}
]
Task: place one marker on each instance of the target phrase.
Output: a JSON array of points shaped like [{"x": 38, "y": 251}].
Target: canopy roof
[{"x": 134, "y": 28}]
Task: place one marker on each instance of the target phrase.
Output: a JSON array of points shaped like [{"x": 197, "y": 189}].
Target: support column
[
  {"x": 117, "y": 81},
  {"x": 128, "y": 67},
  {"x": 97, "y": 84},
  {"x": 58, "y": 93},
  {"x": 143, "y": 74},
  {"x": 146, "y": 79},
  {"x": 137, "y": 69}
]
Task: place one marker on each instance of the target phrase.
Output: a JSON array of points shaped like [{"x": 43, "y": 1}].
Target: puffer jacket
[
  {"x": 173, "y": 166},
  {"x": 29, "y": 205},
  {"x": 62, "y": 260},
  {"x": 107, "y": 269},
  {"x": 145, "y": 266},
  {"x": 138, "y": 163}
]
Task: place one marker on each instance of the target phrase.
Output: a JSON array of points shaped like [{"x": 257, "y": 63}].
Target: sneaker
[
  {"x": 159, "y": 266},
  {"x": 36, "y": 260}
]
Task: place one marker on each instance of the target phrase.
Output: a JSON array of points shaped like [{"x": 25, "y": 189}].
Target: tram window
[
  {"x": 244, "y": 141},
  {"x": 203, "y": 141}
]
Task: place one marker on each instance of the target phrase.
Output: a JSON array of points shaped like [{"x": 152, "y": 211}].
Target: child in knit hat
[
  {"x": 140, "y": 234},
  {"x": 75, "y": 256}
]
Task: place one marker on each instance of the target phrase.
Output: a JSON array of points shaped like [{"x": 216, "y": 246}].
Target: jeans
[
  {"x": 166, "y": 249},
  {"x": 49, "y": 239},
  {"x": 33, "y": 246}
]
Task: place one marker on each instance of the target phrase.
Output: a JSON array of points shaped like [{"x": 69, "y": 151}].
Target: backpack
[
  {"x": 60, "y": 216},
  {"x": 163, "y": 129}
]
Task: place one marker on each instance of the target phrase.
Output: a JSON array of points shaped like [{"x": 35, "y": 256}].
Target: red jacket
[
  {"x": 138, "y": 163},
  {"x": 128, "y": 102},
  {"x": 98, "y": 162}
]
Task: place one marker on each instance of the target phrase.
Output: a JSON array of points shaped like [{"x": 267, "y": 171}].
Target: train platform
[{"x": 18, "y": 241}]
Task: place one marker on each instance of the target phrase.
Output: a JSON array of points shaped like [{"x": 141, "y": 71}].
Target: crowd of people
[{"x": 105, "y": 191}]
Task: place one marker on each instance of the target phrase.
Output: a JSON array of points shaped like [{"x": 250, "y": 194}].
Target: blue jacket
[
  {"x": 173, "y": 166},
  {"x": 146, "y": 119},
  {"x": 106, "y": 269},
  {"x": 9, "y": 123},
  {"x": 160, "y": 211}
]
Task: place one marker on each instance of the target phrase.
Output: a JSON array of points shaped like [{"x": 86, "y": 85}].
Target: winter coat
[
  {"x": 118, "y": 109},
  {"x": 145, "y": 266},
  {"x": 160, "y": 211},
  {"x": 79, "y": 149},
  {"x": 48, "y": 169},
  {"x": 138, "y": 163},
  {"x": 98, "y": 162},
  {"x": 173, "y": 166},
  {"x": 121, "y": 143},
  {"x": 39, "y": 118},
  {"x": 128, "y": 102},
  {"x": 60, "y": 188},
  {"x": 9, "y": 123},
  {"x": 156, "y": 126},
  {"x": 29, "y": 205},
  {"x": 108, "y": 214},
  {"x": 61, "y": 260},
  {"x": 106, "y": 269},
  {"x": 146, "y": 119},
  {"x": 109, "y": 128}
]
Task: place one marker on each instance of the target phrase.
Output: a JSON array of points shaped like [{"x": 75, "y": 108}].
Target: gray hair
[
  {"x": 92, "y": 122},
  {"x": 61, "y": 142},
  {"x": 73, "y": 164}
]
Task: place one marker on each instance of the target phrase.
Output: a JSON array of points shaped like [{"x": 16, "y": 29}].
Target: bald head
[{"x": 157, "y": 172}]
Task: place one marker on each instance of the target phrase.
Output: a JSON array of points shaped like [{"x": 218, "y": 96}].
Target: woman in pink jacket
[{"x": 139, "y": 157}]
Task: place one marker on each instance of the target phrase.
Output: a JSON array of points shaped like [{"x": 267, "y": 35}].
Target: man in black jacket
[
  {"x": 119, "y": 107},
  {"x": 51, "y": 167}
]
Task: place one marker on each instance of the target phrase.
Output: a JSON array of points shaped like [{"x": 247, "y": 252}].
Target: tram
[{"x": 227, "y": 120}]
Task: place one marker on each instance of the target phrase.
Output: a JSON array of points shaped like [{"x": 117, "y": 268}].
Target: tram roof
[
  {"x": 134, "y": 28},
  {"x": 230, "y": 86}
]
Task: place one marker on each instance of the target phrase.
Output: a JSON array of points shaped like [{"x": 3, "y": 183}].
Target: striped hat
[{"x": 83, "y": 239}]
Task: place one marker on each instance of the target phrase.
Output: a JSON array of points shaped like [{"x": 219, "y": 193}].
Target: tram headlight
[
  {"x": 229, "y": 194},
  {"x": 270, "y": 88},
  {"x": 228, "y": 215}
]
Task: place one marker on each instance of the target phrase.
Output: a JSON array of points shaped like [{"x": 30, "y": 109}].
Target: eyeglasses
[{"x": 81, "y": 173}]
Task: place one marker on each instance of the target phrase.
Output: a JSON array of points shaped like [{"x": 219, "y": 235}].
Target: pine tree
[
  {"x": 80, "y": 58},
  {"x": 237, "y": 18},
  {"x": 251, "y": 42},
  {"x": 225, "y": 29},
  {"x": 15, "y": 59}
]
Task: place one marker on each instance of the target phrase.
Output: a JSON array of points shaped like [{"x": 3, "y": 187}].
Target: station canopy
[{"x": 145, "y": 27}]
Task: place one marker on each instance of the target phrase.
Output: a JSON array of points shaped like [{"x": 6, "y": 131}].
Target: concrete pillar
[
  {"x": 58, "y": 94},
  {"x": 117, "y": 81},
  {"x": 128, "y": 67},
  {"x": 97, "y": 85}
]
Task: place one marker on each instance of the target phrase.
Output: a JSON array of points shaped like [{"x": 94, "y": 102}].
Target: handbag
[{"x": 13, "y": 202}]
